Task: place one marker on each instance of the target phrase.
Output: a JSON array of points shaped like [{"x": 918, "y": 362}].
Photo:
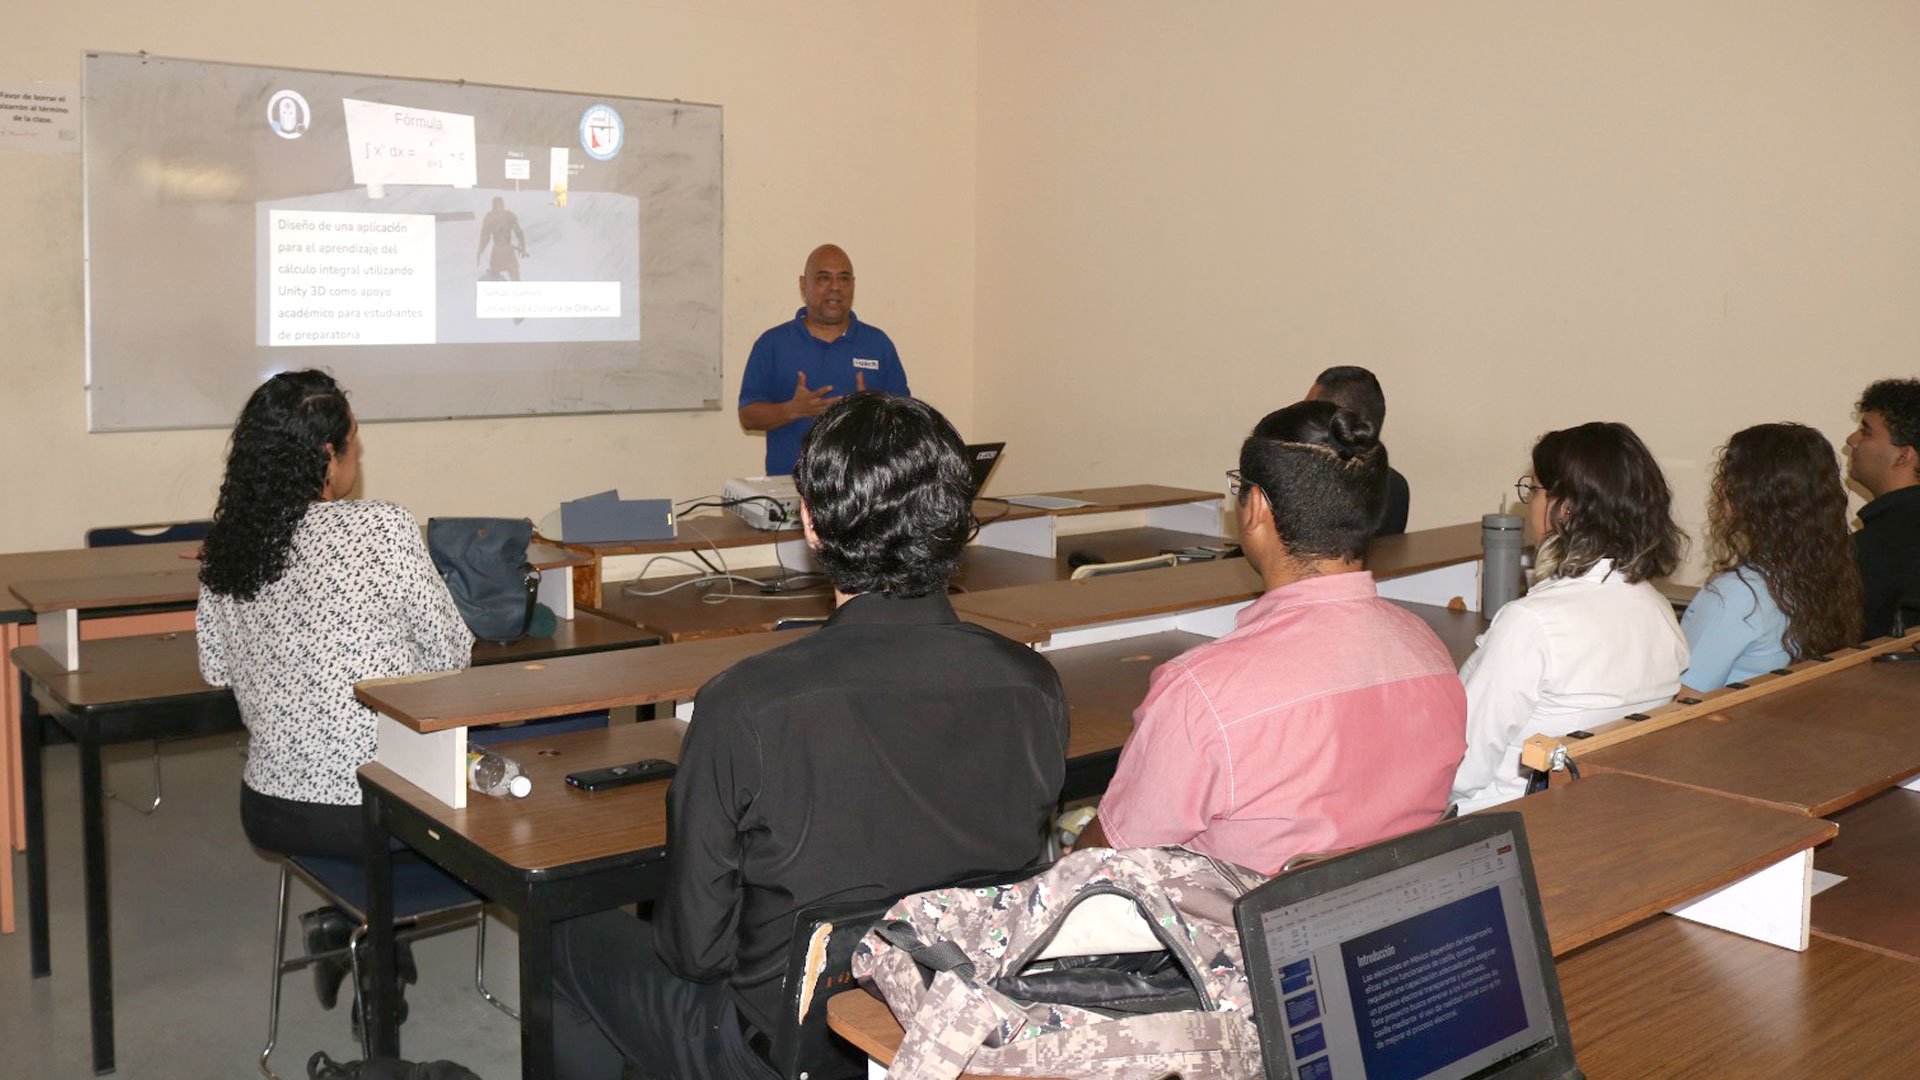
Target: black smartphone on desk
[{"x": 633, "y": 772}]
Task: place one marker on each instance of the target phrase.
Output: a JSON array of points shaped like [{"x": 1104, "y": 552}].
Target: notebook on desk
[{"x": 1423, "y": 956}]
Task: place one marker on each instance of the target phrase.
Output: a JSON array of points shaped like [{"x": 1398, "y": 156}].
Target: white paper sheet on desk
[
  {"x": 1822, "y": 881},
  {"x": 1046, "y": 502}
]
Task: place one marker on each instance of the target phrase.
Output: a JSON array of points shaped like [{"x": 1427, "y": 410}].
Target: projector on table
[{"x": 764, "y": 502}]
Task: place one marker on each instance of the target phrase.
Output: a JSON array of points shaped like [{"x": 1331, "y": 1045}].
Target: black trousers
[
  {"x": 289, "y": 827},
  {"x": 615, "y": 1001}
]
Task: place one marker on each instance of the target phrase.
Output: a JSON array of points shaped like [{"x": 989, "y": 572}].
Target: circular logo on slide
[
  {"x": 601, "y": 132},
  {"x": 287, "y": 114}
]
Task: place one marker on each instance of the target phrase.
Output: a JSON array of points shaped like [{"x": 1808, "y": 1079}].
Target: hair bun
[{"x": 1351, "y": 433}]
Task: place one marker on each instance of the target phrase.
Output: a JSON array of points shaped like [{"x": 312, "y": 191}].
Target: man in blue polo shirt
[{"x": 797, "y": 370}]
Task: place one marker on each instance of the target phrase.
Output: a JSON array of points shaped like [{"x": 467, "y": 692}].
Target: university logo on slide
[
  {"x": 601, "y": 132},
  {"x": 288, "y": 115}
]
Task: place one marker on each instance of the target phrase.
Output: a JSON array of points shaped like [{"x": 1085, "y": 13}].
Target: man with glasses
[{"x": 1328, "y": 717}]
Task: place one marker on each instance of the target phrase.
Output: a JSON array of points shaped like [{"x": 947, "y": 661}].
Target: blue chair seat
[{"x": 419, "y": 887}]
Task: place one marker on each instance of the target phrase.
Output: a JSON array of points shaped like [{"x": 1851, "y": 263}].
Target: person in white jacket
[{"x": 1593, "y": 640}]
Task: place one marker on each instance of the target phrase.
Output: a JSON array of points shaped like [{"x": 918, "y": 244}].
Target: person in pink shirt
[{"x": 1328, "y": 717}]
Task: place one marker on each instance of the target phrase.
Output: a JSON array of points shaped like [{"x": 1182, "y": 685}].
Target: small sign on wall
[{"x": 40, "y": 117}]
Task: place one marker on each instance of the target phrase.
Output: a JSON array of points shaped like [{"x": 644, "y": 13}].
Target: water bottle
[
  {"x": 497, "y": 775},
  {"x": 1502, "y": 536}
]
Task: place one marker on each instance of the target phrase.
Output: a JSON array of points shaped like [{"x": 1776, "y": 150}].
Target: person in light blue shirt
[
  {"x": 1734, "y": 631},
  {"x": 1784, "y": 585}
]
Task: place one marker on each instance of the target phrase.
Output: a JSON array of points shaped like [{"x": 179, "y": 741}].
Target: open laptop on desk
[
  {"x": 1421, "y": 956},
  {"x": 982, "y": 457}
]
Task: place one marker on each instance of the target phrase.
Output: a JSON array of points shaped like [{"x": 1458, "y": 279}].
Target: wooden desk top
[
  {"x": 1674, "y": 998},
  {"x": 724, "y": 530},
  {"x": 1610, "y": 851},
  {"x": 145, "y": 575},
  {"x": 557, "y": 826},
  {"x": 685, "y": 614},
  {"x": 133, "y": 670},
  {"x": 1106, "y": 682},
  {"x": 1817, "y": 748},
  {"x": 1875, "y": 907},
  {"x": 75, "y": 563},
  {"x": 1059, "y": 605},
  {"x": 121, "y": 671},
  {"x": 532, "y": 691}
]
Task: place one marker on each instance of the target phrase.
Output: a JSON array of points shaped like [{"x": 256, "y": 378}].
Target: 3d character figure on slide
[
  {"x": 502, "y": 229},
  {"x": 797, "y": 370}
]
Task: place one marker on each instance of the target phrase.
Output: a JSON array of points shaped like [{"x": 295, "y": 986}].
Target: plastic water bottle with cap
[{"x": 497, "y": 775}]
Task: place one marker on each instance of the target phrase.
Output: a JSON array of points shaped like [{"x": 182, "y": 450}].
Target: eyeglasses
[
  {"x": 1525, "y": 487},
  {"x": 1236, "y": 487}
]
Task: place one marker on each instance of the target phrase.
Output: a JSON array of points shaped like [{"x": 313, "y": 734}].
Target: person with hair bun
[
  {"x": 1593, "y": 640},
  {"x": 1328, "y": 717},
  {"x": 1784, "y": 583},
  {"x": 304, "y": 592}
]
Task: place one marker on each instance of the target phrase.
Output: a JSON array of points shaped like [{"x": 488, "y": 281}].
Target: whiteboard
[{"x": 443, "y": 249}]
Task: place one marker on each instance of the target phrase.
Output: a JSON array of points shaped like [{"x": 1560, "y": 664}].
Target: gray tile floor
[{"x": 193, "y": 910}]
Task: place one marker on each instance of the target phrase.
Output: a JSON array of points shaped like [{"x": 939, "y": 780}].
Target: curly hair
[
  {"x": 1778, "y": 508},
  {"x": 1898, "y": 403},
  {"x": 886, "y": 483},
  {"x": 1610, "y": 501},
  {"x": 1324, "y": 473},
  {"x": 276, "y": 468}
]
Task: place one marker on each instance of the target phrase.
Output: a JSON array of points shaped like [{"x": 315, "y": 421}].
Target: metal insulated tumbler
[{"x": 1502, "y": 536}]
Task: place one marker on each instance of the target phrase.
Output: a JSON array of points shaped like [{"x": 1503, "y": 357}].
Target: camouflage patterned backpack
[{"x": 1122, "y": 965}]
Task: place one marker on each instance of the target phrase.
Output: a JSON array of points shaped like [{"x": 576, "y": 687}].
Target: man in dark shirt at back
[
  {"x": 893, "y": 750},
  {"x": 1883, "y": 456},
  {"x": 1358, "y": 389}
]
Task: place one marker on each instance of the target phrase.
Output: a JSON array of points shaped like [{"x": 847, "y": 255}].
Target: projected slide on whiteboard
[{"x": 444, "y": 249}]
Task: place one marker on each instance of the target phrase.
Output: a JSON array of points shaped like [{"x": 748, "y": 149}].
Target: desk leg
[
  {"x": 32, "y": 791},
  {"x": 93, "y": 823},
  {"x": 536, "y": 990},
  {"x": 10, "y": 639},
  {"x": 382, "y": 1013}
]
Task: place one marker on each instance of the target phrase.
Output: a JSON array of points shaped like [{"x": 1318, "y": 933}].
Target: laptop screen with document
[{"x": 1424, "y": 956}]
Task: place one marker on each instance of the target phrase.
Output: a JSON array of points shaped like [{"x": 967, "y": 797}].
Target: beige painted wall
[
  {"x": 1688, "y": 216},
  {"x": 853, "y": 122}
]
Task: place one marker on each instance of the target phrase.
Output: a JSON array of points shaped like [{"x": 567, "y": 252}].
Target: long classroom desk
[
  {"x": 560, "y": 853},
  {"x": 1003, "y": 525},
  {"x": 133, "y": 689},
  {"x": 1840, "y": 747},
  {"x": 90, "y": 594},
  {"x": 17, "y": 628},
  {"x": 678, "y": 608},
  {"x": 1675, "y": 999},
  {"x": 1434, "y": 566},
  {"x": 527, "y": 863}
]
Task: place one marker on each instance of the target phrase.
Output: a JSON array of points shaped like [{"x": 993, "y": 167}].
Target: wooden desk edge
[
  {"x": 1538, "y": 751},
  {"x": 1818, "y": 832}
]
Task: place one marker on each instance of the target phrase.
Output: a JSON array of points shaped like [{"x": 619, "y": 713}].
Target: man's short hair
[
  {"x": 888, "y": 487},
  {"x": 1355, "y": 388},
  {"x": 1324, "y": 473},
  {"x": 1898, "y": 403}
]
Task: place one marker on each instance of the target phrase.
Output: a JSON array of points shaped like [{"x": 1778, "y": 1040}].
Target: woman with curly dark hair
[
  {"x": 1784, "y": 583},
  {"x": 1593, "y": 640},
  {"x": 304, "y": 592}
]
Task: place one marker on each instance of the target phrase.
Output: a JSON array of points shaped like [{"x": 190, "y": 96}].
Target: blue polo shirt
[{"x": 782, "y": 353}]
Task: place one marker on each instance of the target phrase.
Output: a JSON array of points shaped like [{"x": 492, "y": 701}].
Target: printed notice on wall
[{"x": 40, "y": 117}]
